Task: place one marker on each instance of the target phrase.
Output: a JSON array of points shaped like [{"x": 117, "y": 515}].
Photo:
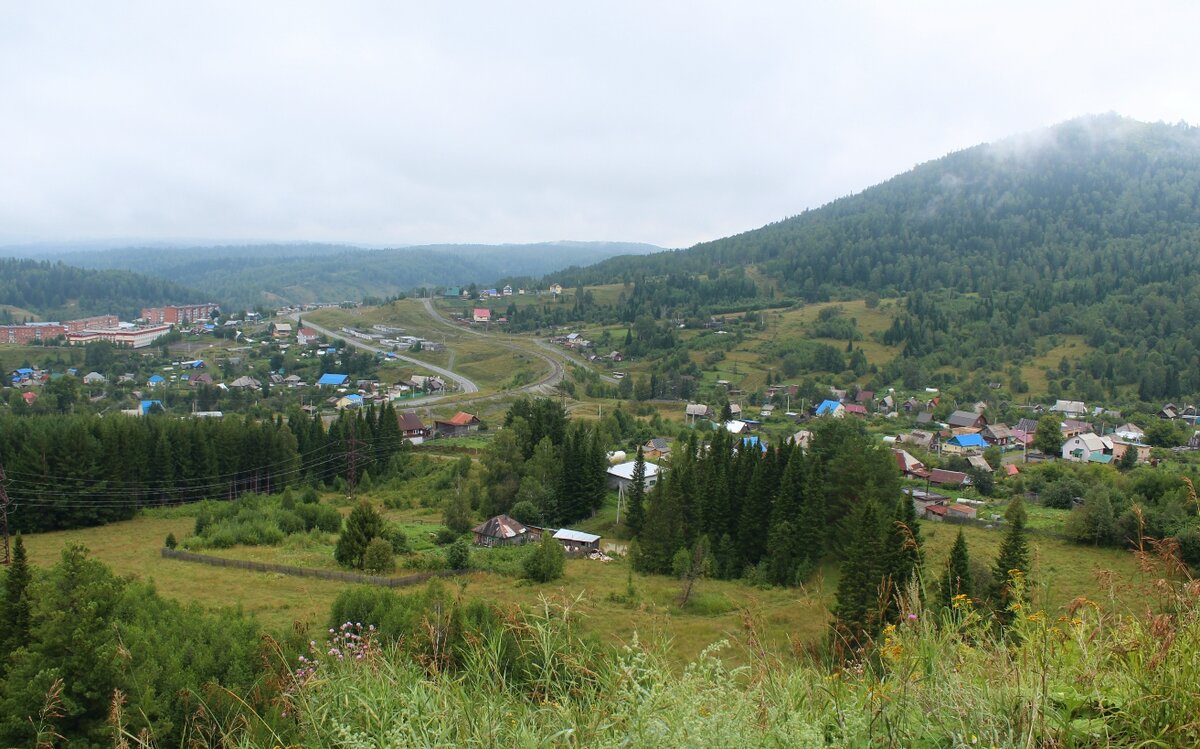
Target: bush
[
  {"x": 290, "y": 522},
  {"x": 310, "y": 496},
  {"x": 445, "y": 536},
  {"x": 379, "y": 557},
  {"x": 170, "y": 543},
  {"x": 525, "y": 512},
  {"x": 398, "y": 539},
  {"x": 546, "y": 562},
  {"x": 320, "y": 517},
  {"x": 458, "y": 555}
]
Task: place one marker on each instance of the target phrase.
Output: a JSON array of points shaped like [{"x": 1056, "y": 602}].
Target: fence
[{"x": 283, "y": 569}]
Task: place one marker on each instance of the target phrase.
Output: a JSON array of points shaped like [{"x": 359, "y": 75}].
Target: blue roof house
[
  {"x": 752, "y": 441},
  {"x": 831, "y": 408},
  {"x": 155, "y": 380},
  {"x": 333, "y": 380},
  {"x": 146, "y": 408},
  {"x": 964, "y": 443}
]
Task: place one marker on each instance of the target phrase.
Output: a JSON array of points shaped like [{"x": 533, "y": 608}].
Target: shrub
[
  {"x": 546, "y": 562},
  {"x": 320, "y": 517},
  {"x": 362, "y": 526},
  {"x": 458, "y": 554},
  {"x": 310, "y": 496},
  {"x": 398, "y": 539},
  {"x": 170, "y": 543},
  {"x": 290, "y": 522},
  {"x": 445, "y": 536},
  {"x": 379, "y": 557}
]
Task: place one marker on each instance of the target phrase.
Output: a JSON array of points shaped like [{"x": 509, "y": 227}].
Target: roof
[
  {"x": 753, "y": 441},
  {"x": 963, "y": 419},
  {"x": 333, "y": 379},
  {"x": 501, "y": 526},
  {"x": 1094, "y": 442},
  {"x": 566, "y": 534},
  {"x": 977, "y": 461},
  {"x": 854, "y": 408},
  {"x": 828, "y": 407},
  {"x": 968, "y": 440},
  {"x": 1068, "y": 407},
  {"x": 460, "y": 419},
  {"x": 864, "y": 396},
  {"x": 1011, "y": 469},
  {"x": 936, "y": 509},
  {"x": 696, "y": 409},
  {"x": 482, "y": 312},
  {"x": 998, "y": 431},
  {"x": 924, "y": 417},
  {"x": 625, "y": 470},
  {"x": 409, "y": 421},
  {"x": 155, "y": 378},
  {"x": 658, "y": 443},
  {"x": 964, "y": 509},
  {"x": 1099, "y": 458},
  {"x": 735, "y": 427},
  {"x": 942, "y": 476},
  {"x": 147, "y": 406}
]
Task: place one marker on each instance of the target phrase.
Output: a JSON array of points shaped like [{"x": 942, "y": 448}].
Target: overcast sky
[{"x": 399, "y": 123}]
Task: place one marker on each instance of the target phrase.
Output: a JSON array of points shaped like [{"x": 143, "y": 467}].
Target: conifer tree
[
  {"x": 956, "y": 580},
  {"x": 635, "y": 498},
  {"x": 902, "y": 553},
  {"x": 660, "y": 536},
  {"x": 363, "y": 525},
  {"x": 857, "y": 606},
  {"x": 16, "y": 615},
  {"x": 1013, "y": 557}
]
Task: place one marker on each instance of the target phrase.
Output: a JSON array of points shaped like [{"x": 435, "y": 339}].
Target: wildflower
[
  {"x": 960, "y": 600},
  {"x": 912, "y": 617}
]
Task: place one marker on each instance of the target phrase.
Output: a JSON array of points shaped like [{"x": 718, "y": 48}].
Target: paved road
[{"x": 464, "y": 384}]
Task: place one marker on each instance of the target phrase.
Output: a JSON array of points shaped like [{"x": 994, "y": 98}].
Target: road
[
  {"x": 543, "y": 386},
  {"x": 464, "y": 384}
]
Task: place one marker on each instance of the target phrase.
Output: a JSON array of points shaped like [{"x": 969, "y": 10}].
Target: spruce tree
[
  {"x": 857, "y": 606},
  {"x": 902, "y": 553},
  {"x": 17, "y": 609},
  {"x": 362, "y": 526},
  {"x": 956, "y": 580},
  {"x": 635, "y": 498},
  {"x": 1013, "y": 557}
]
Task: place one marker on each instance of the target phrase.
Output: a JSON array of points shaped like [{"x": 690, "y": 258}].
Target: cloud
[{"x": 477, "y": 122}]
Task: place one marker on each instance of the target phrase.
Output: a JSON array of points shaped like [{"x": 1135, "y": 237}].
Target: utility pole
[{"x": 4, "y": 515}]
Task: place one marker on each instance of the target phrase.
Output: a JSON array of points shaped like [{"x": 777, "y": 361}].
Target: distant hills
[
  {"x": 53, "y": 290},
  {"x": 273, "y": 274},
  {"x": 1103, "y": 198}
]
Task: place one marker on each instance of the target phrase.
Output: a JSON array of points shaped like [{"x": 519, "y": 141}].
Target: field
[{"x": 783, "y": 618}]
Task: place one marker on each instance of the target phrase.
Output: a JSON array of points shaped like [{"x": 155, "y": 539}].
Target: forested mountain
[
  {"x": 59, "y": 291},
  {"x": 271, "y": 274},
  {"x": 1091, "y": 227}
]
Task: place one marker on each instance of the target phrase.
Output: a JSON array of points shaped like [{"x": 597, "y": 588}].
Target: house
[
  {"x": 353, "y": 400},
  {"x": 1072, "y": 427},
  {"x": 1120, "y": 447},
  {"x": 908, "y": 465},
  {"x": 556, "y": 289},
  {"x": 958, "y": 511},
  {"x": 735, "y": 410},
  {"x": 1069, "y": 409},
  {"x": 736, "y": 426},
  {"x": 481, "y": 314},
  {"x": 1088, "y": 448},
  {"x": 1126, "y": 432},
  {"x": 94, "y": 378},
  {"x": 657, "y": 447},
  {"x": 935, "y": 512},
  {"x": 145, "y": 408},
  {"x": 831, "y": 408},
  {"x": 766, "y": 411},
  {"x": 1028, "y": 426},
  {"x": 697, "y": 411},
  {"x": 1169, "y": 411},
  {"x": 460, "y": 424},
  {"x": 753, "y": 443},
  {"x": 577, "y": 541},
  {"x": 942, "y": 477},
  {"x": 200, "y": 378},
  {"x": 503, "y": 531},
  {"x": 411, "y": 427},
  {"x": 29, "y": 397},
  {"x": 246, "y": 382},
  {"x": 333, "y": 380},
  {"x": 864, "y": 396},
  {"x": 856, "y": 410},
  {"x": 506, "y": 291},
  {"x": 620, "y": 476},
  {"x": 155, "y": 380},
  {"x": 305, "y": 336},
  {"x": 967, "y": 420},
  {"x": 293, "y": 381},
  {"x": 977, "y": 461},
  {"x": 281, "y": 330},
  {"x": 924, "y": 418},
  {"x": 961, "y": 444},
  {"x": 802, "y": 438},
  {"x": 920, "y": 438},
  {"x": 997, "y": 434}
]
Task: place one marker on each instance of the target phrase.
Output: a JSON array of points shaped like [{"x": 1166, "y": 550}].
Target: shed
[{"x": 577, "y": 541}]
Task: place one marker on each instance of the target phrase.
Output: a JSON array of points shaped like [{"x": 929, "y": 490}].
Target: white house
[
  {"x": 1069, "y": 409},
  {"x": 620, "y": 476},
  {"x": 1089, "y": 447}
]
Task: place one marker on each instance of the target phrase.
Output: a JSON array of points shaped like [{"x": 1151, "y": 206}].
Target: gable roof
[
  {"x": 625, "y": 470},
  {"x": 333, "y": 379},
  {"x": 409, "y": 421},
  {"x": 1028, "y": 426},
  {"x": 963, "y": 419},
  {"x": 658, "y": 443},
  {"x": 566, "y": 534},
  {"x": 1069, "y": 407},
  {"x": 854, "y": 408},
  {"x": 942, "y": 476},
  {"x": 461, "y": 419},
  {"x": 501, "y": 526},
  {"x": 967, "y": 440},
  {"x": 829, "y": 407},
  {"x": 696, "y": 409}
]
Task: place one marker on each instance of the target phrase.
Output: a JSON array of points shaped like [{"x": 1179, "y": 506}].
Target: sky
[{"x": 397, "y": 123}]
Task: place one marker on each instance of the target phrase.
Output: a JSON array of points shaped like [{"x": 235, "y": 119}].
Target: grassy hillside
[{"x": 59, "y": 291}]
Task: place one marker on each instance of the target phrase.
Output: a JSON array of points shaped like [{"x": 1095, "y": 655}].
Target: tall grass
[{"x": 1093, "y": 677}]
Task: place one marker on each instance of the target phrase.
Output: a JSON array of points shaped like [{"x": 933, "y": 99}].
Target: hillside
[
  {"x": 271, "y": 274},
  {"x": 55, "y": 290},
  {"x": 1089, "y": 228}
]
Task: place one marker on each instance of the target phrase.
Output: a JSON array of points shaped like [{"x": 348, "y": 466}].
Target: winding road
[{"x": 543, "y": 386}]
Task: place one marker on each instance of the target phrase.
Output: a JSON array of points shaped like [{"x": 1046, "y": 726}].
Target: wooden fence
[{"x": 283, "y": 569}]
